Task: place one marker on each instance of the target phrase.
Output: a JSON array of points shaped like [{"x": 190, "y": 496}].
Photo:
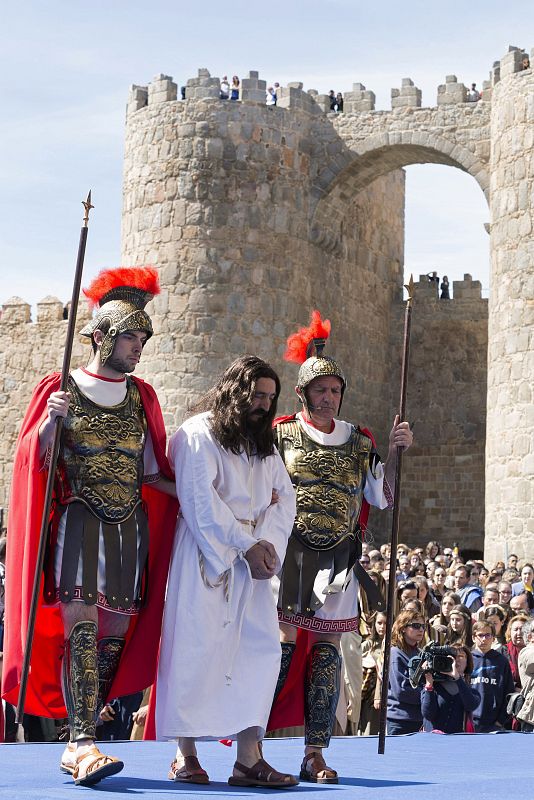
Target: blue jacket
[
  {"x": 446, "y": 711},
  {"x": 404, "y": 702},
  {"x": 492, "y": 677}
]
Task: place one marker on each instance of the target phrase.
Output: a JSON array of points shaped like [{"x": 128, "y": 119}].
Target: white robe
[{"x": 220, "y": 658}]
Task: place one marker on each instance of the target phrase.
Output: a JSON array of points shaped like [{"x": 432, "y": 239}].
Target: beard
[
  {"x": 257, "y": 422},
  {"x": 120, "y": 365}
]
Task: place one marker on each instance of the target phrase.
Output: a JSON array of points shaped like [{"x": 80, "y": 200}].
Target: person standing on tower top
[{"x": 106, "y": 531}]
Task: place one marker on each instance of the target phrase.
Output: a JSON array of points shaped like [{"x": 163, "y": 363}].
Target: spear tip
[
  {"x": 87, "y": 206},
  {"x": 409, "y": 288}
]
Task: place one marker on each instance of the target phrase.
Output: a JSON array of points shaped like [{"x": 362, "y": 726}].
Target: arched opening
[
  {"x": 443, "y": 486},
  {"x": 446, "y": 222}
]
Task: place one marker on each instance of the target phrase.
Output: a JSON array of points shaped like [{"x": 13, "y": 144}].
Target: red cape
[
  {"x": 288, "y": 711},
  {"x": 138, "y": 663}
]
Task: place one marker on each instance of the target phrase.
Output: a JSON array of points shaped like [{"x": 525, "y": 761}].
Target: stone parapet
[
  {"x": 50, "y": 309},
  {"x": 468, "y": 289},
  {"x": 360, "y": 99},
  {"x": 451, "y": 92},
  {"x": 512, "y": 61},
  {"x": 161, "y": 89},
  {"x": 15, "y": 310},
  {"x": 408, "y": 96},
  {"x": 253, "y": 89},
  {"x": 137, "y": 98}
]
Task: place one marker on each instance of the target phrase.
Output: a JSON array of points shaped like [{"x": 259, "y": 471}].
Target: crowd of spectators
[{"x": 485, "y": 617}]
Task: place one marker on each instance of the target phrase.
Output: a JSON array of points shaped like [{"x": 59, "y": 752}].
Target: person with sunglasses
[
  {"x": 404, "y": 702},
  {"x": 492, "y": 677}
]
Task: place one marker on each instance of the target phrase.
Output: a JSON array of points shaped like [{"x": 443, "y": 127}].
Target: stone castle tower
[{"x": 256, "y": 214}]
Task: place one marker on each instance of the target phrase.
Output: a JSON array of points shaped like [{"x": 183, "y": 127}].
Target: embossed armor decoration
[
  {"x": 329, "y": 482},
  {"x": 100, "y": 462},
  {"x": 98, "y": 483},
  {"x": 121, "y": 296},
  {"x": 323, "y": 680}
]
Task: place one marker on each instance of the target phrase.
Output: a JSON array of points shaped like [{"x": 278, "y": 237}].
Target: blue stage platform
[{"x": 424, "y": 765}]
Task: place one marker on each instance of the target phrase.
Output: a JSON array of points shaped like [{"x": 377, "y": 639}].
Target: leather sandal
[
  {"x": 314, "y": 770},
  {"x": 68, "y": 759},
  {"x": 261, "y": 774},
  {"x": 93, "y": 765},
  {"x": 188, "y": 772}
]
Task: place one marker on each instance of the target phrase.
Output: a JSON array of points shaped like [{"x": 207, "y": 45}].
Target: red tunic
[
  {"x": 288, "y": 711},
  {"x": 137, "y": 667}
]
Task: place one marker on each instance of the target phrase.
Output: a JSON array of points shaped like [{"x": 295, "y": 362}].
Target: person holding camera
[
  {"x": 447, "y": 702},
  {"x": 404, "y": 701}
]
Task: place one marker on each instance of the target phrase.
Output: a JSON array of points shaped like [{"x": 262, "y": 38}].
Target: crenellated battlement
[
  {"x": 428, "y": 291},
  {"x": 358, "y": 100},
  {"x": 16, "y": 311}
]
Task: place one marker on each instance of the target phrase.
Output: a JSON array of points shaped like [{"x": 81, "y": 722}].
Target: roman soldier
[
  {"x": 337, "y": 475},
  {"x": 98, "y": 621}
]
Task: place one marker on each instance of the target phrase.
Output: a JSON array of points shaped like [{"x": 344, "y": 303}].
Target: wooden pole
[
  {"x": 43, "y": 535},
  {"x": 395, "y": 527}
]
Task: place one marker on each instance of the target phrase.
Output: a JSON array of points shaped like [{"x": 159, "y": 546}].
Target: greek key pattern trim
[{"x": 320, "y": 625}]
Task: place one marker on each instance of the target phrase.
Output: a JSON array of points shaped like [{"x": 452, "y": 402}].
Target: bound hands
[
  {"x": 262, "y": 560},
  {"x": 262, "y": 556}
]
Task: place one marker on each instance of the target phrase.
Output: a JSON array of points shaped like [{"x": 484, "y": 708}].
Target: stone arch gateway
[{"x": 255, "y": 214}]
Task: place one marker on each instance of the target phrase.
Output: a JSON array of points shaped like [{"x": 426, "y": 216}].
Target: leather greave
[
  {"x": 109, "y": 651},
  {"x": 288, "y": 648},
  {"x": 80, "y": 680},
  {"x": 321, "y": 693}
]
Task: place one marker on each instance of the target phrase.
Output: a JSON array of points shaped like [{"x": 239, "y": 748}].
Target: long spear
[
  {"x": 395, "y": 525},
  {"x": 43, "y": 535}
]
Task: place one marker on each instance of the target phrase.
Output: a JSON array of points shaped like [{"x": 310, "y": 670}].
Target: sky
[{"x": 65, "y": 71}]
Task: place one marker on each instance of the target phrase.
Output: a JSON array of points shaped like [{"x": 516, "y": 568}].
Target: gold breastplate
[
  {"x": 329, "y": 483},
  {"x": 101, "y": 455}
]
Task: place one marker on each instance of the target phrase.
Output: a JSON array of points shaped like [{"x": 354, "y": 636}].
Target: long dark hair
[{"x": 229, "y": 402}]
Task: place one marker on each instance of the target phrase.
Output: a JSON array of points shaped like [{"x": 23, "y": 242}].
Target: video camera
[{"x": 433, "y": 658}]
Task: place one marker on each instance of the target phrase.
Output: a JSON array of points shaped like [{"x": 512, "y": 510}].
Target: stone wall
[
  {"x": 510, "y": 444},
  {"x": 217, "y": 195},
  {"x": 443, "y": 472}
]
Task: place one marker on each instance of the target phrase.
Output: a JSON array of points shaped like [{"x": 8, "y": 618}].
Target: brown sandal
[
  {"x": 261, "y": 774},
  {"x": 314, "y": 770},
  {"x": 189, "y": 772},
  {"x": 93, "y": 765}
]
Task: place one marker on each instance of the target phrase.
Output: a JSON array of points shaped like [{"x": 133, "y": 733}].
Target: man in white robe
[{"x": 220, "y": 650}]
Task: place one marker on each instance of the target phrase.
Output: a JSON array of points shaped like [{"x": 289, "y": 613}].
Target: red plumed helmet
[
  {"x": 136, "y": 285},
  {"x": 298, "y": 344}
]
